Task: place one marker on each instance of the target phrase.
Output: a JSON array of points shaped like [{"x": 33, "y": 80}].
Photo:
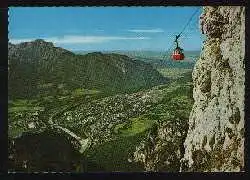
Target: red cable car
[{"x": 178, "y": 55}]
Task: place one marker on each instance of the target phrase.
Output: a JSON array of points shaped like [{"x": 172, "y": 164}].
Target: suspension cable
[
  {"x": 188, "y": 22},
  {"x": 182, "y": 31}
]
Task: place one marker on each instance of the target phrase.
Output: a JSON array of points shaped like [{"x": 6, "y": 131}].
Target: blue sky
[{"x": 106, "y": 28}]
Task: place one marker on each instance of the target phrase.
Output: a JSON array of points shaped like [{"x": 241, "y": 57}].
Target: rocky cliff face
[
  {"x": 215, "y": 139},
  {"x": 163, "y": 148}
]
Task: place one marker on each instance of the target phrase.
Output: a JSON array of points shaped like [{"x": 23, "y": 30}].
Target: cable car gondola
[{"x": 178, "y": 54}]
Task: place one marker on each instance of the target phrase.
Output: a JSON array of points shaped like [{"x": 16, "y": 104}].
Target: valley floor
[{"x": 123, "y": 132}]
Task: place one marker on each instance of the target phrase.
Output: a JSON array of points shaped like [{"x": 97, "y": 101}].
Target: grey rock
[{"x": 215, "y": 139}]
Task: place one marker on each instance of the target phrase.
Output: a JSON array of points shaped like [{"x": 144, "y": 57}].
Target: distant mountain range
[
  {"x": 158, "y": 59},
  {"x": 37, "y": 65}
]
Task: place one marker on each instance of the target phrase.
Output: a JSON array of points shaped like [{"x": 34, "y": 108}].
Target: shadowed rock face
[
  {"x": 46, "y": 151},
  {"x": 215, "y": 139}
]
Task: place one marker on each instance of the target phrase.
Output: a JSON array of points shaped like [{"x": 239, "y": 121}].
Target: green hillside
[{"x": 39, "y": 68}]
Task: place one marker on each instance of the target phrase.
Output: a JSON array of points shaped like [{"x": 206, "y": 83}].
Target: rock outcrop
[
  {"x": 215, "y": 139},
  {"x": 163, "y": 149},
  {"x": 45, "y": 151},
  {"x": 53, "y": 150}
]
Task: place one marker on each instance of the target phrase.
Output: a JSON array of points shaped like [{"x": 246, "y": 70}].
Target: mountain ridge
[{"x": 41, "y": 62}]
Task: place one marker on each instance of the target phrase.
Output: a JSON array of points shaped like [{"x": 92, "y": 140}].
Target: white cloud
[
  {"x": 80, "y": 39},
  {"x": 157, "y": 30},
  {"x": 16, "y": 41}
]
